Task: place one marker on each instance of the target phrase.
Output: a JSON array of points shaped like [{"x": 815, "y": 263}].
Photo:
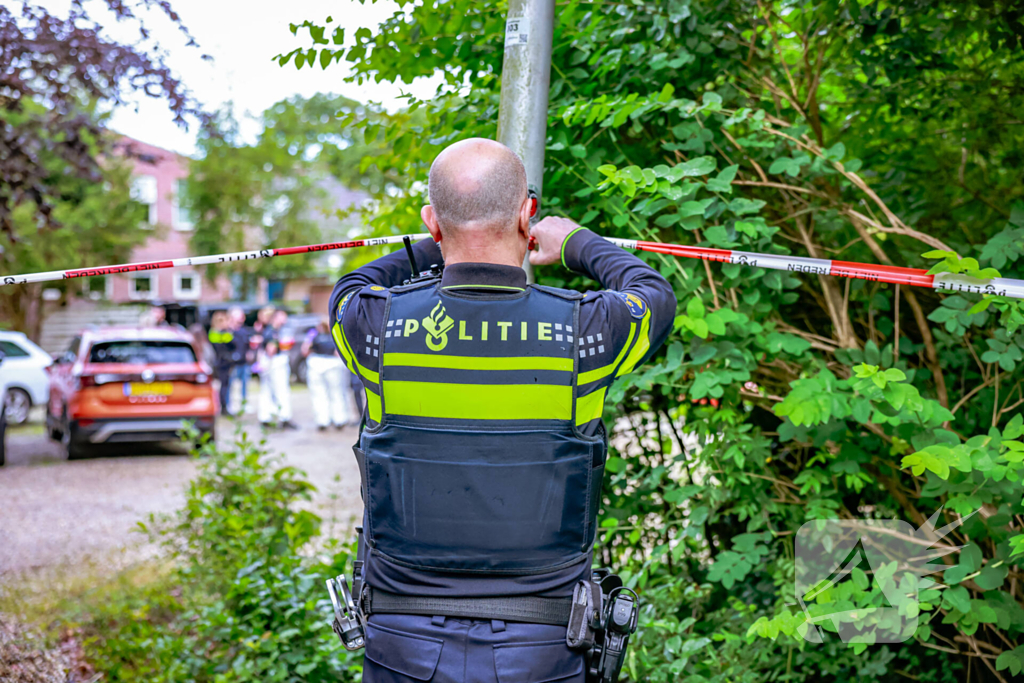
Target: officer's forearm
[
  {"x": 590, "y": 254},
  {"x": 393, "y": 269}
]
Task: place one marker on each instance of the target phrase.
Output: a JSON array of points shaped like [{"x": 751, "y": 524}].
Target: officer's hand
[{"x": 550, "y": 233}]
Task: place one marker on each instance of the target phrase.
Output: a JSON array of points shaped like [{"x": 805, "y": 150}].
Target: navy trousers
[{"x": 403, "y": 648}]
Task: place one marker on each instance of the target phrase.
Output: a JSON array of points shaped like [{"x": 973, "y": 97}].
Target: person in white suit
[{"x": 328, "y": 383}]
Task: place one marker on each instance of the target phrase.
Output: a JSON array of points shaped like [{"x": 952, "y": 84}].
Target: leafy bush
[
  {"x": 242, "y": 602},
  {"x": 870, "y": 132}
]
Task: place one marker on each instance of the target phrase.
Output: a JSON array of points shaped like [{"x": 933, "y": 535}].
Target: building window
[
  {"x": 181, "y": 210},
  {"x": 142, "y": 287},
  {"x": 144, "y": 192},
  {"x": 187, "y": 285},
  {"x": 97, "y": 287}
]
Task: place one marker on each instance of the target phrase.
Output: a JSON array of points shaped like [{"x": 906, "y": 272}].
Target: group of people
[{"x": 235, "y": 351}]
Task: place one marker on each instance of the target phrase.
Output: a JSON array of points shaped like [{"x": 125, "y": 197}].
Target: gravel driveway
[{"x": 55, "y": 514}]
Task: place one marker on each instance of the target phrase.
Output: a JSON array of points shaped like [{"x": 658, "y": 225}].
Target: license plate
[{"x": 151, "y": 389}]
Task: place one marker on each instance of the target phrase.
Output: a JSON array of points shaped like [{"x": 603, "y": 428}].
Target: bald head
[{"x": 479, "y": 185}]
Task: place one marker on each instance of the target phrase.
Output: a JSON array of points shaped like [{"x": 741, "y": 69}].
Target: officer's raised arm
[
  {"x": 387, "y": 271},
  {"x": 635, "y": 290}
]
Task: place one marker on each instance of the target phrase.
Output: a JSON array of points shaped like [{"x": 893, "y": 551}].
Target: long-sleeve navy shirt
[{"x": 620, "y": 327}]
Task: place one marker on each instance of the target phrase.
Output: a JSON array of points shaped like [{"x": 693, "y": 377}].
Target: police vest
[{"x": 472, "y": 463}]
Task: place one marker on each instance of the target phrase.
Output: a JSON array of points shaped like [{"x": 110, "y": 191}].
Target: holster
[
  {"x": 604, "y": 615},
  {"x": 585, "y": 617}
]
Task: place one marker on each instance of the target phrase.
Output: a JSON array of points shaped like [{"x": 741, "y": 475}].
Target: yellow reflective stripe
[
  {"x": 643, "y": 343},
  {"x": 565, "y": 242},
  {"x": 349, "y": 356},
  {"x": 590, "y": 407},
  {"x": 370, "y": 375},
  {"x": 342, "y": 344},
  {"x": 594, "y": 375},
  {"x": 429, "y": 360},
  {"x": 478, "y": 401},
  {"x": 373, "y": 406},
  {"x": 354, "y": 365}
]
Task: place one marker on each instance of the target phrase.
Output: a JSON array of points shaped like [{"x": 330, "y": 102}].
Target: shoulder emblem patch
[
  {"x": 341, "y": 306},
  {"x": 637, "y": 307}
]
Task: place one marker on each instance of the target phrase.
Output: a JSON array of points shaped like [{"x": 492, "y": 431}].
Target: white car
[{"x": 24, "y": 370}]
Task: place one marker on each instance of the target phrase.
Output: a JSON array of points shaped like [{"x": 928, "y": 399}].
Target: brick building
[{"x": 158, "y": 179}]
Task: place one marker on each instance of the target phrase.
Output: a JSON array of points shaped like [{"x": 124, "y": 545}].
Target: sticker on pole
[{"x": 517, "y": 31}]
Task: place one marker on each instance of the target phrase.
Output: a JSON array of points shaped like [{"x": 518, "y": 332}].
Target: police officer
[
  {"x": 222, "y": 340},
  {"x": 482, "y": 449}
]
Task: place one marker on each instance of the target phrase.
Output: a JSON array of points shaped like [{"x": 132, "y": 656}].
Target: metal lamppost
[{"x": 525, "y": 80}]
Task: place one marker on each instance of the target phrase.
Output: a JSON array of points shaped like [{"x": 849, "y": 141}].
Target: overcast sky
[{"x": 242, "y": 36}]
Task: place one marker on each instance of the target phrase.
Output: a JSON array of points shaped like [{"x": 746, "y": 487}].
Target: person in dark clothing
[
  {"x": 482, "y": 449},
  {"x": 242, "y": 355},
  {"x": 222, "y": 340}
]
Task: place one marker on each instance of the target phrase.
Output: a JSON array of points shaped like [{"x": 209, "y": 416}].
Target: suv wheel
[
  {"x": 17, "y": 404},
  {"x": 69, "y": 440},
  {"x": 53, "y": 427}
]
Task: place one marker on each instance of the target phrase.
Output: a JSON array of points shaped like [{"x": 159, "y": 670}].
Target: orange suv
[{"x": 118, "y": 385}]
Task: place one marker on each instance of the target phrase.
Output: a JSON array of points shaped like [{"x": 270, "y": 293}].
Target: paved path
[{"x": 55, "y": 514}]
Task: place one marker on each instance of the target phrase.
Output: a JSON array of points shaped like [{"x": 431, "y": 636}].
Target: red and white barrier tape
[
  {"x": 916, "y": 277},
  {"x": 201, "y": 260}
]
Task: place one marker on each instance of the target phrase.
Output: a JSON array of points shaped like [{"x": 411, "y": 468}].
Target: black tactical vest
[{"x": 475, "y": 478}]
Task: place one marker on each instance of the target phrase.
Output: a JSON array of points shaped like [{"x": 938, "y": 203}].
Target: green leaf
[
  {"x": 860, "y": 579},
  {"x": 743, "y": 206},
  {"x": 578, "y": 151},
  {"x": 717, "y": 234},
  {"x": 667, "y": 220},
  {"x": 693, "y": 208},
  {"x": 991, "y": 578},
  {"x": 836, "y": 152},
  {"x": 1012, "y": 660},
  {"x": 934, "y": 459},
  {"x": 957, "y": 598},
  {"x": 723, "y": 181},
  {"x": 863, "y": 371},
  {"x": 695, "y": 308},
  {"x": 692, "y": 168},
  {"x": 1015, "y": 427},
  {"x": 895, "y": 375},
  {"x": 615, "y": 464},
  {"x": 939, "y": 254}
]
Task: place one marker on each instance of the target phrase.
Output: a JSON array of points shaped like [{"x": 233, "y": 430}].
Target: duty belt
[
  {"x": 522, "y": 608},
  {"x": 600, "y": 617}
]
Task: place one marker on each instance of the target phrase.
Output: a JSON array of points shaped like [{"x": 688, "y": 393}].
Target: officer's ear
[
  {"x": 430, "y": 220},
  {"x": 524, "y": 218}
]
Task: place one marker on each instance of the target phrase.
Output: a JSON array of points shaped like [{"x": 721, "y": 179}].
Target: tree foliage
[
  {"x": 95, "y": 220},
  {"x": 879, "y": 132},
  {"x": 273, "y": 192},
  {"x": 63, "y": 202},
  {"x": 66, "y": 64}
]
